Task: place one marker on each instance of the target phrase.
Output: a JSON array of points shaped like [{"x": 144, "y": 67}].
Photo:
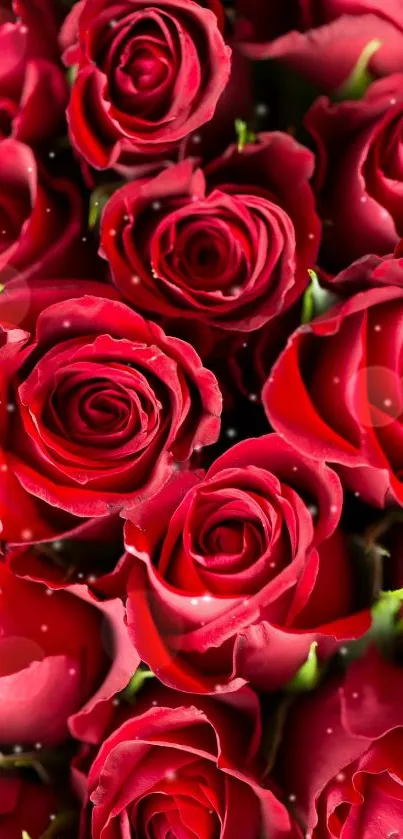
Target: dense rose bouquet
[{"x": 201, "y": 419}]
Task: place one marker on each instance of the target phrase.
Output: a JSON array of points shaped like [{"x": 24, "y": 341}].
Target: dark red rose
[
  {"x": 235, "y": 577},
  {"x": 344, "y": 371},
  {"x": 359, "y": 174},
  {"x": 346, "y": 773},
  {"x": 368, "y": 272},
  {"x": 323, "y": 41},
  {"x": 185, "y": 765},
  {"x": 98, "y": 406},
  {"x": 63, "y": 657},
  {"x": 28, "y": 806},
  {"x": 229, "y": 246},
  {"x": 30, "y": 83},
  {"x": 146, "y": 75},
  {"x": 41, "y": 218}
]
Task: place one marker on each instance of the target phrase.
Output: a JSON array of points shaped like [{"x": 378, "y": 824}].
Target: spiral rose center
[{"x": 148, "y": 70}]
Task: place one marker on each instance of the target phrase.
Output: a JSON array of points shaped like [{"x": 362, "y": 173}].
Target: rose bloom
[
  {"x": 370, "y": 271},
  {"x": 26, "y": 805},
  {"x": 346, "y": 774},
  {"x": 98, "y": 406},
  {"x": 41, "y": 218},
  {"x": 184, "y": 766},
  {"x": 323, "y": 41},
  {"x": 359, "y": 172},
  {"x": 63, "y": 657},
  {"x": 29, "y": 77},
  {"x": 236, "y": 574},
  {"x": 344, "y": 372},
  {"x": 146, "y": 75},
  {"x": 229, "y": 246}
]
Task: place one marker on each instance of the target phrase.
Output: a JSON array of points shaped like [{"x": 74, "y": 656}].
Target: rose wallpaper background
[{"x": 201, "y": 419}]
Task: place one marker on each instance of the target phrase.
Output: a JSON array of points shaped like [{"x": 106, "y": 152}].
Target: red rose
[
  {"x": 29, "y": 80},
  {"x": 63, "y": 657},
  {"x": 146, "y": 75},
  {"x": 97, "y": 406},
  {"x": 27, "y": 806},
  {"x": 346, "y": 773},
  {"x": 184, "y": 766},
  {"x": 231, "y": 577},
  {"x": 344, "y": 371},
  {"x": 359, "y": 172},
  {"x": 41, "y": 218},
  {"x": 323, "y": 41},
  {"x": 230, "y": 246}
]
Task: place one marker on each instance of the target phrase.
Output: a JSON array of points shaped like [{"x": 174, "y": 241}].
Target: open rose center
[
  {"x": 227, "y": 541},
  {"x": 148, "y": 69},
  {"x": 144, "y": 66},
  {"x": 103, "y": 411},
  {"x": 179, "y": 805}
]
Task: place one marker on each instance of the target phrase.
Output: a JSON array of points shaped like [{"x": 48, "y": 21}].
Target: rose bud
[
  {"x": 63, "y": 657},
  {"x": 235, "y": 575}
]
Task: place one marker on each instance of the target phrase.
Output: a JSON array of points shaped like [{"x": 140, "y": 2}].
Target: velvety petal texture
[
  {"x": 229, "y": 246},
  {"x": 175, "y": 768},
  {"x": 99, "y": 407},
  {"x": 63, "y": 657},
  {"x": 227, "y": 575},
  {"x": 359, "y": 171},
  {"x": 346, "y": 776},
  {"x": 350, "y": 405},
  {"x": 146, "y": 75},
  {"x": 323, "y": 41}
]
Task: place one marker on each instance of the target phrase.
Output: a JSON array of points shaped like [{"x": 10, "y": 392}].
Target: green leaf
[
  {"x": 308, "y": 675},
  {"x": 360, "y": 78},
  {"x": 316, "y": 299},
  {"x": 136, "y": 683},
  {"x": 25, "y": 835},
  {"x": 243, "y": 134}
]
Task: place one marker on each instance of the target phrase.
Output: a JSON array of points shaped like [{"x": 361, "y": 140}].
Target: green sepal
[
  {"x": 360, "y": 78},
  {"x": 308, "y": 675},
  {"x": 71, "y": 74},
  {"x": 98, "y": 198},
  {"x": 244, "y": 135},
  {"x": 316, "y": 299},
  {"x": 385, "y": 625},
  {"x": 136, "y": 683}
]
